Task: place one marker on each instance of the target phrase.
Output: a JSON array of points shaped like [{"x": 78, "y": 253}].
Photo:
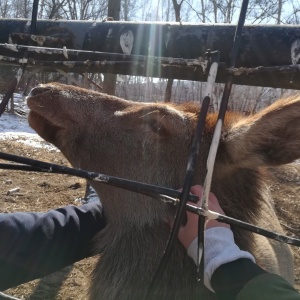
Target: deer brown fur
[{"x": 150, "y": 142}]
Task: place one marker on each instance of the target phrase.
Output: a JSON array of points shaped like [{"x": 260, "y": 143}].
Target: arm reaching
[
  {"x": 37, "y": 244},
  {"x": 229, "y": 271}
]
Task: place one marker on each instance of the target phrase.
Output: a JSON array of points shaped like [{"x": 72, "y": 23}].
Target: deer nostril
[{"x": 38, "y": 90}]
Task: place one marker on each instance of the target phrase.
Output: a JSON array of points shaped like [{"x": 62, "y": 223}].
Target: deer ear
[{"x": 270, "y": 137}]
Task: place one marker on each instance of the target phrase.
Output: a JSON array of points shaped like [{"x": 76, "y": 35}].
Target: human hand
[{"x": 189, "y": 232}]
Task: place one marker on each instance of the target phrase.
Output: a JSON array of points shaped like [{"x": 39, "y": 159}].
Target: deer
[{"x": 150, "y": 143}]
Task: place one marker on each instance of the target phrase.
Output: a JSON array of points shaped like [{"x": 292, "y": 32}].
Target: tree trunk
[
  {"x": 109, "y": 82},
  {"x": 279, "y": 11},
  {"x": 168, "y": 92},
  {"x": 215, "y": 6},
  {"x": 113, "y": 9},
  {"x": 177, "y": 8},
  {"x": 203, "y": 11}
]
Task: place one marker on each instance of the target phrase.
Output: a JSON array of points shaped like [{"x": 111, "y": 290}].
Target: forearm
[
  {"x": 36, "y": 244},
  {"x": 244, "y": 280},
  {"x": 220, "y": 249},
  {"x": 233, "y": 274},
  {"x": 229, "y": 279}
]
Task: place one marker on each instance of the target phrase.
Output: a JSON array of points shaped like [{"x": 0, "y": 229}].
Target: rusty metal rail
[{"x": 267, "y": 50}]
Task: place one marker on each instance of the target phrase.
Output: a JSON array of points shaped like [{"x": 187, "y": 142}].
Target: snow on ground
[{"x": 15, "y": 127}]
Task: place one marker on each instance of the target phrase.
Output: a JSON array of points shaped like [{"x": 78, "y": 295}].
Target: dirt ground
[{"x": 41, "y": 192}]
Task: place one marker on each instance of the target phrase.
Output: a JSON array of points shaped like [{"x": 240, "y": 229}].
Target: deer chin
[{"x": 44, "y": 128}]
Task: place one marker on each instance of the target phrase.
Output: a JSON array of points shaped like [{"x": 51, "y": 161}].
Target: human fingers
[{"x": 213, "y": 204}]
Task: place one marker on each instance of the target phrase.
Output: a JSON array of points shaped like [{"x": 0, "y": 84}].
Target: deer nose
[{"x": 38, "y": 90}]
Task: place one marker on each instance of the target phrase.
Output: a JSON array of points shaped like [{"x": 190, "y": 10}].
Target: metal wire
[
  {"x": 174, "y": 200},
  {"x": 40, "y": 166}
]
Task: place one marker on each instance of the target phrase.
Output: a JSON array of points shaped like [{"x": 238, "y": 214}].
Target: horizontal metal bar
[
  {"x": 82, "y": 55},
  {"x": 138, "y": 187},
  {"x": 283, "y": 76},
  {"x": 261, "y": 46},
  {"x": 243, "y": 225},
  {"x": 164, "y": 194}
]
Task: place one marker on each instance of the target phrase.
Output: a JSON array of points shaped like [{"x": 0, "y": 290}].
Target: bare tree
[
  {"x": 177, "y": 8},
  {"x": 280, "y": 3},
  {"x": 113, "y": 11},
  {"x": 167, "y": 12},
  {"x": 4, "y": 8},
  {"x": 125, "y": 9},
  {"x": 203, "y": 11},
  {"x": 293, "y": 17},
  {"x": 54, "y": 7},
  {"x": 131, "y": 9},
  {"x": 223, "y": 10},
  {"x": 267, "y": 11},
  {"x": 74, "y": 9},
  {"x": 79, "y": 10}
]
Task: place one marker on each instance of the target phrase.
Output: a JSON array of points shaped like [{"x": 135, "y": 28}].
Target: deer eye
[{"x": 157, "y": 127}]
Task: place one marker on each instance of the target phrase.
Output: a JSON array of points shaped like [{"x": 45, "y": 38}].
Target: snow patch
[{"x": 16, "y": 128}]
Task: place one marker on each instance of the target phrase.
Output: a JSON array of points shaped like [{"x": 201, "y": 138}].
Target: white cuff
[{"x": 219, "y": 249}]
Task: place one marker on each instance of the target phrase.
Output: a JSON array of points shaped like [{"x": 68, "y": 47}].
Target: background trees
[{"x": 213, "y": 11}]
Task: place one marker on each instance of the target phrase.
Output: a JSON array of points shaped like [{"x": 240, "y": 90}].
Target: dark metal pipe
[
  {"x": 260, "y": 46},
  {"x": 40, "y": 166}
]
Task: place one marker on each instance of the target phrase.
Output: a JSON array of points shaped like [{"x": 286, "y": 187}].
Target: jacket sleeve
[
  {"x": 36, "y": 244},
  {"x": 244, "y": 280},
  {"x": 268, "y": 287}
]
